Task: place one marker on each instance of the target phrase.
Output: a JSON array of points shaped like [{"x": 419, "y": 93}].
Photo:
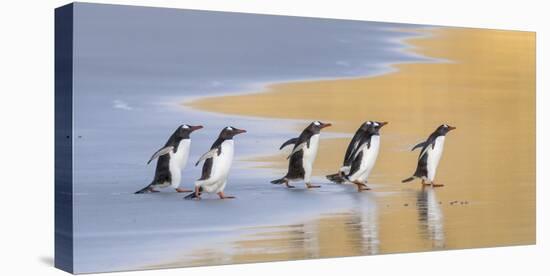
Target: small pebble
[{"x": 406, "y": 204}]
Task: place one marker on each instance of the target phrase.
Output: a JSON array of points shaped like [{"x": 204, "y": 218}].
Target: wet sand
[{"x": 486, "y": 88}]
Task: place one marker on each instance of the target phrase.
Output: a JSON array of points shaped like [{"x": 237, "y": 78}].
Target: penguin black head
[
  {"x": 185, "y": 130},
  {"x": 443, "y": 129},
  {"x": 366, "y": 125},
  {"x": 316, "y": 126},
  {"x": 229, "y": 132}
]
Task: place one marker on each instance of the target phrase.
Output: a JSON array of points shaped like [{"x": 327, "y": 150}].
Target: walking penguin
[
  {"x": 360, "y": 156},
  {"x": 302, "y": 157},
  {"x": 172, "y": 158},
  {"x": 217, "y": 163},
  {"x": 429, "y": 157}
]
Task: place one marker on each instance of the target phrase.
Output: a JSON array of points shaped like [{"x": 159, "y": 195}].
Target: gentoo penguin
[
  {"x": 304, "y": 151},
  {"x": 353, "y": 144},
  {"x": 217, "y": 162},
  {"x": 429, "y": 156},
  {"x": 361, "y": 157},
  {"x": 171, "y": 159}
]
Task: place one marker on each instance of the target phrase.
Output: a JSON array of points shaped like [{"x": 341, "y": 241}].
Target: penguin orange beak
[
  {"x": 193, "y": 128},
  {"x": 452, "y": 127},
  {"x": 383, "y": 124},
  {"x": 239, "y": 131},
  {"x": 325, "y": 125}
]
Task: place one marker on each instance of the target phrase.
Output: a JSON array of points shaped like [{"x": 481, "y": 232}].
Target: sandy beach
[{"x": 484, "y": 85}]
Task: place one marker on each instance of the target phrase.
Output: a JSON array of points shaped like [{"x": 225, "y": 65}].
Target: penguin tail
[
  {"x": 408, "y": 179},
  {"x": 336, "y": 178},
  {"x": 144, "y": 190},
  {"x": 279, "y": 181},
  {"x": 193, "y": 195}
]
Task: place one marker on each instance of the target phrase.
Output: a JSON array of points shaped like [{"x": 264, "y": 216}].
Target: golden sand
[{"x": 486, "y": 89}]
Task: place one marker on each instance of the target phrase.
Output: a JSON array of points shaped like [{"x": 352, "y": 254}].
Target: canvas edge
[{"x": 63, "y": 138}]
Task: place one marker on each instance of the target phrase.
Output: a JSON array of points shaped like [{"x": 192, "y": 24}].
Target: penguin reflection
[
  {"x": 430, "y": 217},
  {"x": 366, "y": 216},
  {"x": 348, "y": 234}
]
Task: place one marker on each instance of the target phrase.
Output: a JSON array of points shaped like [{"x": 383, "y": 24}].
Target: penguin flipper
[
  {"x": 419, "y": 145},
  {"x": 363, "y": 143},
  {"x": 297, "y": 149},
  {"x": 211, "y": 153},
  {"x": 160, "y": 152},
  {"x": 359, "y": 150},
  {"x": 353, "y": 144},
  {"x": 289, "y": 142},
  {"x": 408, "y": 179}
]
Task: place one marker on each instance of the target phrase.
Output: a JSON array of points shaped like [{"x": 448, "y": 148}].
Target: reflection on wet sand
[
  {"x": 430, "y": 217},
  {"x": 351, "y": 233},
  {"x": 341, "y": 234}
]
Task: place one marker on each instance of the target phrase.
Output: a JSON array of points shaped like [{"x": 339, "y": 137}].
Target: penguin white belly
[
  {"x": 178, "y": 160},
  {"x": 221, "y": 165},
  {"x": 310, "y": 153},
  {"x": 434, "y": 155},
  {"x": 369, "y": 156}
]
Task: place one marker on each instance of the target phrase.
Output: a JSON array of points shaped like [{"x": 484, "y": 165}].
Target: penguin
[
  {"x": 429, "y": 157},
  {"x": 172, "y": 158},
  {"x": 362, "y": 158},
  {"x": 354, "y": 142},
  {"x": 217, "y": 163},
  {"x": 302, "y": 157}
]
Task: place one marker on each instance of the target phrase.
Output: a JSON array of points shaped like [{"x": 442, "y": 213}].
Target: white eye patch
[
  {"x": 369, "y": 122},
  {"x": 445, "y": 125},
  {"x": 317, "y": 123},
  {"x": 185, "y": 126},
  {"x": 376, "y": 124},
  {"x": 229, "y": 128}
]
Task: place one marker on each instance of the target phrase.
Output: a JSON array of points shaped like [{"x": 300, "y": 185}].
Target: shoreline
[
  {"x": 264, "y": 104},
  {"x": 252, "y": 88}
]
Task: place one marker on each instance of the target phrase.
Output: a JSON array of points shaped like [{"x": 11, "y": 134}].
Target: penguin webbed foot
[
  {"x": 310, "y": 186},
  {"x": 223, "y": 196},
  {"x": 365, "y": 188},
  {"x": 361, "y": 186},
  {"x": 435, "y": 185},
  {"x": 180, "y": 190},
  {"x": 289, "y": 186}
]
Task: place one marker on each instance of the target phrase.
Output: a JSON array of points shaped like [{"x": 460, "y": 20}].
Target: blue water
[{"x": 133, "y": 69}]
